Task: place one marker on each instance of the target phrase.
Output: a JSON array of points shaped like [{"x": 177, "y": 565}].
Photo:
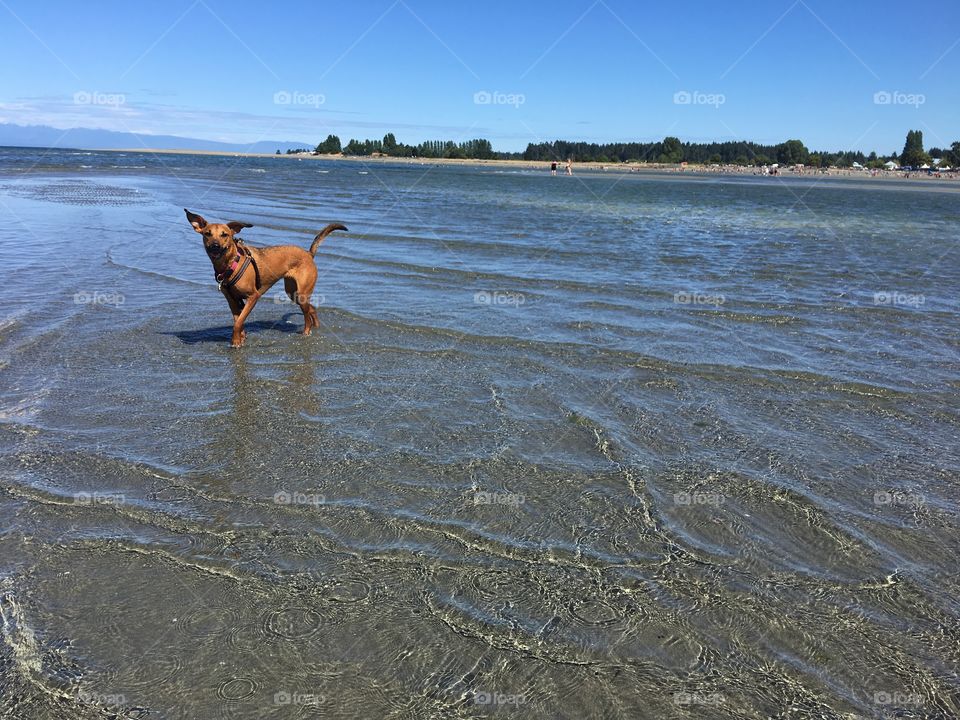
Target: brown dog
[{"x": 244, "y": 274}]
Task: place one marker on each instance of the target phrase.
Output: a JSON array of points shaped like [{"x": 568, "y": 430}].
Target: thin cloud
[{"x": 151, "y": 118}]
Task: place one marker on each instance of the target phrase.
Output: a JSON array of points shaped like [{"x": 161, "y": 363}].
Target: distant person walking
[
  {"x": 569, "y": 166},
  {"x": 553, "y": 168}
]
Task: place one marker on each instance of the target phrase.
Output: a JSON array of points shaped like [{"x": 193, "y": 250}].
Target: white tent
[{"x": 890, "y": 165}]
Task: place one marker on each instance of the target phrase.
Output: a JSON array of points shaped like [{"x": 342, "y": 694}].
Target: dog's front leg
[
  {"x": 236, "y": 307},
  {"x": 239, "y": 335}
]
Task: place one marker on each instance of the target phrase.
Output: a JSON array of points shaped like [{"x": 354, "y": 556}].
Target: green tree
[
  {"x": 389, "y": 144},
  {"x": 913, "y": 154},
  {"x": 672, "y": 150},
  {"x": 330, "y": 146},
  {"x": 792, "y": 152},
  {"x": 355, "y": 147},
  {"x": 952, "y": 156}
]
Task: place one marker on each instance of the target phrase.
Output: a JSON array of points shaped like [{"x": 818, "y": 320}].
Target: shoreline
[{"x": 625, "y": 167}]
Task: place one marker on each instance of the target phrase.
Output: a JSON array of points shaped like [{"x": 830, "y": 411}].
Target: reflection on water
[{"x": 629, "y": 446}]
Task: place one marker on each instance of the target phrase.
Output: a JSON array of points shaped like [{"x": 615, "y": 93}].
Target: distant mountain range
[{"x": 92, "y": 139}]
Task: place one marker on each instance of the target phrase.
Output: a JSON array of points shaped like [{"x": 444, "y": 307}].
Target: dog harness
[{"x": 221, "y": 278}]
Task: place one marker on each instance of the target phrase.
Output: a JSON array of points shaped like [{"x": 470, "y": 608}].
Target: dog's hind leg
[
  {"x": 310, "y": 320},
  {"x": 302, "y": 300},
  {"x": 290, "y": 287}
]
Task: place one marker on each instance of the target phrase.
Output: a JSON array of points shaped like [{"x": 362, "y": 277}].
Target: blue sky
[{"x": 514, "y": 72}]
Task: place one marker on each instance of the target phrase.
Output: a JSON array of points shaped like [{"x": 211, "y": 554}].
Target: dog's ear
[
  {"x": 198, "y": 222},
  {"x": 237, "y": 226}
]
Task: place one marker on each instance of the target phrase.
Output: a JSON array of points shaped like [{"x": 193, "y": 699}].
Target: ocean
[{"x": 616, "y": 445}]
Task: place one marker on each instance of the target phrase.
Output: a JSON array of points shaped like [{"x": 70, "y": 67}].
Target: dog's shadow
[{"x": 224, "y": 333}]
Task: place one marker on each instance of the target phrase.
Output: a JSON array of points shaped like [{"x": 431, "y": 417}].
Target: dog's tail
[{"x": 322, "y": 234}]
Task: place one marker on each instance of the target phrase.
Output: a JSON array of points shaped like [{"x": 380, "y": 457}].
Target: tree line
[
  {"x": 478, "y": 149},
  {"x": 670, "y": 150}
]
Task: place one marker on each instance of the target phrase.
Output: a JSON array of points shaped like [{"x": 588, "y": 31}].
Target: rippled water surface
[{"x": 608, "y": 446}]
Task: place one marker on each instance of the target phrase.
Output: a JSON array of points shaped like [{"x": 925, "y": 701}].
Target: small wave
[
  {"x": 682, "y": 259},
  {"x": 755, "y": 317},
  {"x": 604, "y": 305},
  {"x": 474, "y": 276},
  {"x": 25, "y": 408},
  {"x": 80, "y": 192},
  {"x": 868, "y": 390},
  {"x": 11, "y": 321},
  {"x": 115, "y": 263},
  {"x": 18, "y": 635}
]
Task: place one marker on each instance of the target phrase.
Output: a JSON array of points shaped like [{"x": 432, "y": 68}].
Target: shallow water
[{"x": 603, "y": 446}]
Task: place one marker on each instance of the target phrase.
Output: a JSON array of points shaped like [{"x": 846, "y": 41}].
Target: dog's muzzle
[{"x": 215, "y": 250}]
